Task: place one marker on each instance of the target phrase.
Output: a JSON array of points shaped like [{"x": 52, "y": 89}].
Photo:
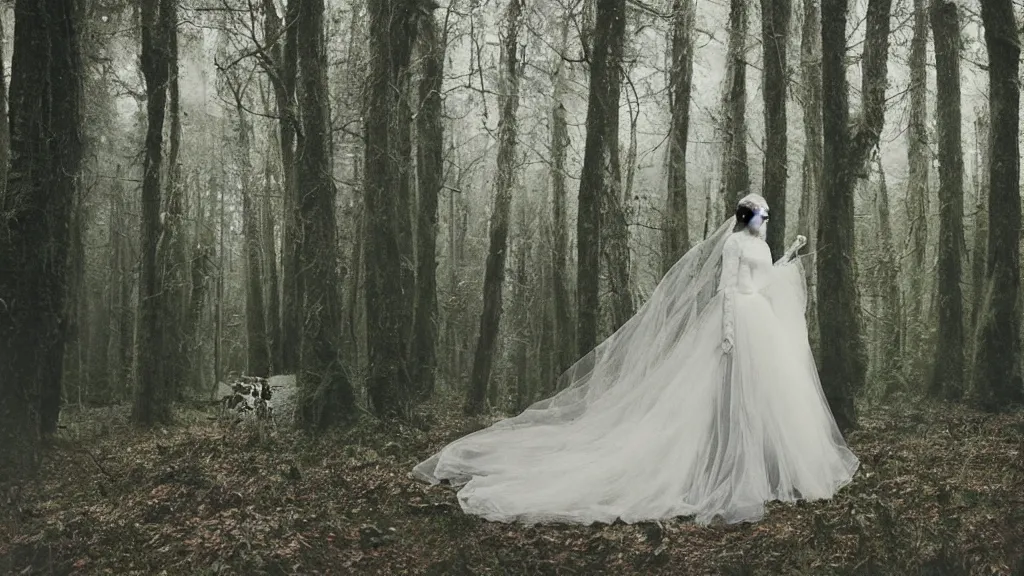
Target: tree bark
[
  {"x": 775, "y": 17},
  {"x": 675, "y": 234},
  {"x": 430, "y": 176},
  {"x": 887, "y": 280},
  {"x": 494, "y": 273},
  {"x": 841, "y": 357},
  {"x": 919, "y": 159},
  {"x": 997, "y": 378},
  {"x": 5, "y": 134},
  {"x": 980, "y": 248},
  {"x": 46, "y": 146},
  {"x": 948, "y": 375},
  {"x": 171, "y": 259},
  {"x": 735, "y": 171},
  {"x": 810, "y": 72},
  {"x": 257, "y": 349},
  {"x": 325, "y": 393},
  {"x": 868, "y": 126},
  {"x": 600, "y": 167},
  {"x": 200, "y": 271},
  {"x": 273, "y": 300},
  {"x": 152, "y": 399},
  {"x": 283, "y": 68},
  {"x": 387, "y": 319},
  {"x": 565, "y": 332}
]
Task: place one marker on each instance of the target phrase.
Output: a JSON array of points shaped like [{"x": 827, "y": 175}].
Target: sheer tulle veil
[{"x": 614, "y": 367}]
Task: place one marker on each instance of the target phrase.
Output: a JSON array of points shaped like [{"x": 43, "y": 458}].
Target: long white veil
[{"x": 597, "y": 380}]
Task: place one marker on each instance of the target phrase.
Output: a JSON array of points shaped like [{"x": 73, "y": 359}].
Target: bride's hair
[
  {"x": 744, "y": 214},
  {"x": 746, "y": 209}
]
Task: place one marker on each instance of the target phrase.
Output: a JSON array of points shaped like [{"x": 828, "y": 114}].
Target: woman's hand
[{"x": 795, "y": 247}]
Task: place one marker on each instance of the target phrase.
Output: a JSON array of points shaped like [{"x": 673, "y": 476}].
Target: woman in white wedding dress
[{"x": 705, "y": 404}]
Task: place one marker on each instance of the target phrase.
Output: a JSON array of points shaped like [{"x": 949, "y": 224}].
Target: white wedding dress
[{"x": 658, "y": 421}]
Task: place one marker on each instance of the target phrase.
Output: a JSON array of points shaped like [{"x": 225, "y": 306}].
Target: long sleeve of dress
[{"x": 727, "y": 285}]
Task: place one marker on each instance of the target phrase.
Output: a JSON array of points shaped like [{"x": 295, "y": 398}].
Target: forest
[{"x": 258, "y": 258}]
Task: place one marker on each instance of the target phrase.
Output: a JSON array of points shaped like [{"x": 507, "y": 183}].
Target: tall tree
[
  {"x": 675, "y": 234},
  {"x": 400, "y": 140},
  {"x": 775, "y": 17},
  {"x": 325, "y": 393},
  {"x": 997, "y": 377},
  {"x": 5, "y": 135},
  {"x": 919, "y": 159},
  {"x": 870, "y": 120},
  {"x": 273, "y": 300},
  {"x": 172, "y": 265},
  {"x": 281, "y": 64},
  {"x": 494, "y": 273},
  {"x": 35, "y": 218},
  {"x": 810, "y": 185},
  {"x": 565, "y": 331},
  {"x": 842, "y": 358},
  {"x": 430, "y": 176},
  {"x": 735, "y": 171},
  {"x": 888, "y": 315},
  {"x": 948, "y": 372},
  {"x": 600, "y": 164},
  {"x": 979, "y": 249},
  {"x": 386, "y": 322},
  {"x": 152, "y": 399},
  {"x": 257, "y": 348}
]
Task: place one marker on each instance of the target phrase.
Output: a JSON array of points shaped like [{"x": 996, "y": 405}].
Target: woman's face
[{"x": 760, "y": 217}]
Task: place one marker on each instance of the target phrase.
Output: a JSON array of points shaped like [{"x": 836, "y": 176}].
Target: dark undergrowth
[{"x": 940, "y": 492}]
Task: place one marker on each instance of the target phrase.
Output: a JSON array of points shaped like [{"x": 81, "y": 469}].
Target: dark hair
[{"x": 744, "y": 214}]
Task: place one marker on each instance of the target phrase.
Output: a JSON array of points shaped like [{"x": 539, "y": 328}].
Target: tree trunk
[
  {"x": 874, "y": 70},
  {"x": 257, "y": 350},
  {"x": 283, "y": 74},
  {"x": 521, "y": 333},
  {"x": 544, "y": 347},
  {"x": 775, "y": 16},
  {"x": 841, "y": 358},
  {"x": 565, "y": 333},
  {"x": 201, "y": 261},
  {"x": 948, "y": 375},
  {"x": 5, "y": 135},
  {"x": 919, "y": 158},
  {"x": 273, "y": 300},
  {"x": 171, "y": 259},
  {"x": 675, "y": 234},
  {"x": 325, "y": 393},
  {"x": 402, "y": 188},
  {"x": 889, "y": 321},
  {"x": 735, "y": 172},
  {"x": 997, "y": 376},
  {"x": 430, "y": 177},
  {"x": 125, "y": 265},
  {"x": 76, "y": 328},
  {"x": 218, "y": 312},
  {"x": 600, "y": 169},
  {"x": 386, "y": 303},
  {"x": 152, "y": 399},
  {"x": 494, "y": 273},
  {"x": 980, "y": 248},
  {"x": 46, "y": 148},
  {"x": 810, "y": 72}
]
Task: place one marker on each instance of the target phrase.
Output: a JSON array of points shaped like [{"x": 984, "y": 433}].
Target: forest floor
[{"x": 940, "y": 491}]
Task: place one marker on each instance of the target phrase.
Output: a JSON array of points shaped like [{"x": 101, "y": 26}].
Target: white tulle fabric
[{"x": 658, "y": 422}]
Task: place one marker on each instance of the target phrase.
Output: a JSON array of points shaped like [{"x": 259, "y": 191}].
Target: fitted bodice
[{"x": 746, "y": 264}]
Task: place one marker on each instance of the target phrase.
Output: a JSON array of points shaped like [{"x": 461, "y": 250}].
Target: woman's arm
[
  {"x": 727, "y": 285},
  {"x": 795, "y": 247}
]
